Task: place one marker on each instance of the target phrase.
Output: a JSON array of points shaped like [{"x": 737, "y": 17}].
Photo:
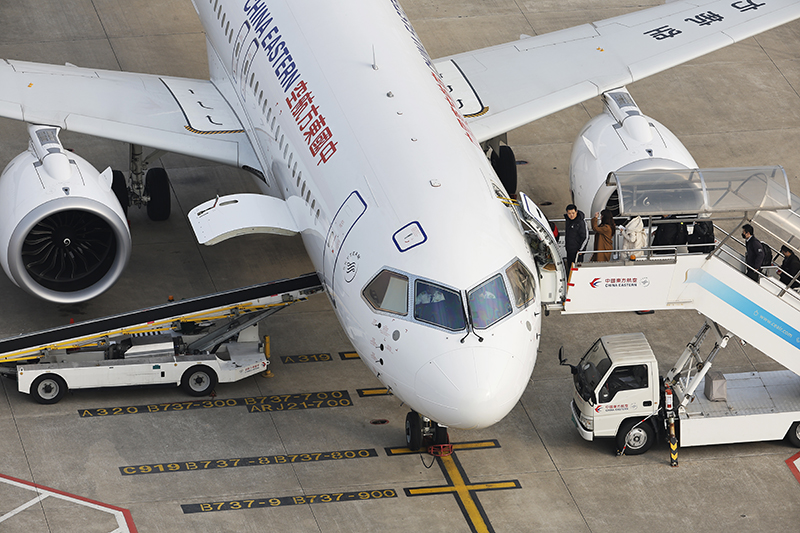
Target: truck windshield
[{"x": 591, "y": 369}]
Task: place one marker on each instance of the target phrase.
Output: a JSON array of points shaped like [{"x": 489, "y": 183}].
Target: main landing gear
[
  {"x": 145, "y": 187},
  {"x": 421, "y": 431}
]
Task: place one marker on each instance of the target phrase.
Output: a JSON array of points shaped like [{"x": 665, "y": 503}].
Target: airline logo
[
  {"x": 308, "y": 117},
  {"x": 618, "y": 283}
]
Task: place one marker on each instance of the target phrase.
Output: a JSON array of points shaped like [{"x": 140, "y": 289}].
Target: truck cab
[{"x": 617, "y": 391}]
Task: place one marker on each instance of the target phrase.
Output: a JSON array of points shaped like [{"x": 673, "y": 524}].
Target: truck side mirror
[{"x": 563, "y": 361}]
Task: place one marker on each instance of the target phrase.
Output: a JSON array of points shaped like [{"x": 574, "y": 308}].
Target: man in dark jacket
[
  {"x": 755, "y": 253},
  {"x": 790, "y": 267},
  {"x": 575, "y": 234}
]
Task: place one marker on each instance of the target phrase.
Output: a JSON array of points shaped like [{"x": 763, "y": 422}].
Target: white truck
[
  {"x": 195, "y": 343},
  {"x": 619, "y": 394},
  {"x": 152, "y": 360}
]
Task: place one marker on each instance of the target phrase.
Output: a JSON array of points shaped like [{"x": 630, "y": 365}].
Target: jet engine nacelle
[
  {"x": 63, "y": 234},
  {"x": 620, "y": 139}
]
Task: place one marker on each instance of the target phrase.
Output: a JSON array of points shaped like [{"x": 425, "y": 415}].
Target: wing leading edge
[
  {"x": 506, "y": 86},
  {"x": 179, "y": 115}
]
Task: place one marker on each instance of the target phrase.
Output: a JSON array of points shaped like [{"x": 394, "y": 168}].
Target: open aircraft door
[{"x": 552, "y": 272}]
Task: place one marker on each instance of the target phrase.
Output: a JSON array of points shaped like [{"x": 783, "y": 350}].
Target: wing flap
[{"x": 519, "y": 82}]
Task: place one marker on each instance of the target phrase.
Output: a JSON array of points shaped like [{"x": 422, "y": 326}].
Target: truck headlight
[{"x": 587, "y": 422}]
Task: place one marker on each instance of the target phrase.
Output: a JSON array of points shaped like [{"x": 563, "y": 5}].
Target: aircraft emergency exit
[{"x": 389, "y": 165}]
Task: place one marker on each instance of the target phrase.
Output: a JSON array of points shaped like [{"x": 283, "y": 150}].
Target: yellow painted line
[
  {"x": 463, "y": 492},
  {"x": 479, "y": 445},
  {"x": 349, "y": 355},
  {"x": 373, "y": 392},
  {"x": 477, "y": 486}
]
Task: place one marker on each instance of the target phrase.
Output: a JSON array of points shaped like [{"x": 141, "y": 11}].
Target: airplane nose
[{"x": 472, "y": 387}]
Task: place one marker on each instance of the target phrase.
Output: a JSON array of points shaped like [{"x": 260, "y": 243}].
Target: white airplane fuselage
[{"x": 355, "y": 131}]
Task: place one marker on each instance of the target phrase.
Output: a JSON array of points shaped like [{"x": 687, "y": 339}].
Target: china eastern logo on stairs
[{"x": 615, "y": 283}]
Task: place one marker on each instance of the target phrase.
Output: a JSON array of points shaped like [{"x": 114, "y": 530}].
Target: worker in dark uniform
[
  {"x": 755, "y": 253},
  {"x": 574, "y": 235}
]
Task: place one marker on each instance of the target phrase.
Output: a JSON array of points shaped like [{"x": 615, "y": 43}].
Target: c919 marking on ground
[
  {"x": 254, "y": 503},
  {"x": 213, "y": 464},
  {"x": 257, "y": 404}
]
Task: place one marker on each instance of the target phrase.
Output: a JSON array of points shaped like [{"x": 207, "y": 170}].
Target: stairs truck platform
[
  {"x": 618, "y": 392},
  {"x": 194, "y": 343}
]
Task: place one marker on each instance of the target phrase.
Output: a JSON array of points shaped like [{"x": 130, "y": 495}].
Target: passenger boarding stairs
[{"x": 764, "y": 314}]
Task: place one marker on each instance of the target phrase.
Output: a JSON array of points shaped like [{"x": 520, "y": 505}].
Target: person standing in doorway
[
  {"x": 755, "y": 253},
  {"x": 574, "y": 234}
]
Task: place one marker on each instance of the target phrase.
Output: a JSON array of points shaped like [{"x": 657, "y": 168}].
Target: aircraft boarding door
[
  {"x": 346, "y": 217},
  {"x": 552, "y": 272}
]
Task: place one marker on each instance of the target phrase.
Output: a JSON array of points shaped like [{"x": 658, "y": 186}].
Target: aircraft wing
[
  {"x": 178, "y": 115},
  {"x": 506, "y": 86}
]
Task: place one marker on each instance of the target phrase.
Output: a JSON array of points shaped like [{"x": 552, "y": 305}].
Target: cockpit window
[
  {"x": 489, "y": 302},
  {"x": 521, "y": 283},
  {"x": 388, "y": 292},
  {"x": 439, "y": 306}
]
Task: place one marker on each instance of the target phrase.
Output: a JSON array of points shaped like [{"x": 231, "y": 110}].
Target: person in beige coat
[{"x": 604, "y": 235}]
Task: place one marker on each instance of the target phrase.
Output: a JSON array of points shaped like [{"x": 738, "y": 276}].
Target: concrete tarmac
[{"x": 239, "y": 468}]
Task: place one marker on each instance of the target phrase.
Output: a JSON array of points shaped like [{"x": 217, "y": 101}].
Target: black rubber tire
[
  {"x": 156, "y": 186},
  {"x": 440, "y": 435},
  {"x": 505, "y": 165},
  {"x": 794, "y": 434},
  {"x": 120, "y": 189},
  {"x": 413, "y": 431},
  {"x": 635, "y": 440},
  {"x": 199, "y": 380},
  {"x": 48, "y": 388}
]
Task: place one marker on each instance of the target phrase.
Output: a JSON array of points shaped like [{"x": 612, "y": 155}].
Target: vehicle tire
[
  {"x": 48, "y": 388},
  {"x": 794, "y": 434},
  {"x": 156, "y": 186},
  {"x": 199, "y": 380},
  {"x": 120, "y": 189},
  {"x": 505, "y": 165},
  {"x": 440, "y": 435},
  {"x": 413, "y": 431},
  {"x": 635, "y": 439}
]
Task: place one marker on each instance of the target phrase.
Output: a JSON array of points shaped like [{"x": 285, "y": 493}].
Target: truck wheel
[
  {"x": 199, "y": 380},
  {"x": 634, "y": 440},
  {"x": 794, "y": 434},
  {"x": 48, "y": 388}
]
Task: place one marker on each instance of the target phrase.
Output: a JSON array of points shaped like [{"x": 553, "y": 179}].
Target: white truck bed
[{"x": 760, "y": 406}]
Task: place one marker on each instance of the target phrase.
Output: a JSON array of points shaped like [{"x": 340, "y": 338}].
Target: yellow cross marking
[
  {"x": 476, "y": 445},
  {"x": 459, "y": 486}
]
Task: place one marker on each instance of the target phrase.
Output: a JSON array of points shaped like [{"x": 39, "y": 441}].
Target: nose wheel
[{"x": 421, "y": 431}]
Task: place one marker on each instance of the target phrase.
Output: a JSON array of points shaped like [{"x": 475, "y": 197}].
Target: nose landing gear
[{"x": 421, "y": 431}]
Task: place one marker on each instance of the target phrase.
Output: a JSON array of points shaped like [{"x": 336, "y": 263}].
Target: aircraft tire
[
  {"x": 635, "y": 440},
  {"x": 120, "y": 189},
  {"x": 505, "y": 165},
  {"x": 794, "y": 434},
  {"x": 48, "y": 388},
  {"x": 199, "y": 380},
  {"x": 413, "y": 431},
  {"x": 156, "y": 186}
]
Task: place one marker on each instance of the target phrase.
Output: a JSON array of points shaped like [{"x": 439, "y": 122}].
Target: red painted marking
[
  {"x": 125, "y": 512},
  {"x": 567, "y": 300},
  {"x": 791, "y": 462},
  {"x": 571, "y": 284},
  {"x": 574, "y": 269}
]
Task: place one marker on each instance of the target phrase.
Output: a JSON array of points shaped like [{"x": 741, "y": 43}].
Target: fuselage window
[
  {"x": 272, "y": 124},
  {"x": 521, "y": 281},
  {"x": 255, "y": 91},
  {"x": 269, "y": 114},
  {"x": 252, "y": 78},
  {"x": 303, "y": 190},
  {"x": 299, "y": 177},
  {"x": 291, "y": 156},
  {"x": 439, "y": 306},
  {"x": 388, "y": 291},
  {"x": 294, "y": 170},
  {"x": 308, "y": 196},
  {"x": 489, "y": 302},
  {"x": 285, "y": 149},
  {"x": 224, "y": 16}
]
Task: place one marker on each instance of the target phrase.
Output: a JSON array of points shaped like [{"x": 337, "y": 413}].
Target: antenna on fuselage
[{"x": 374, "y": 60}]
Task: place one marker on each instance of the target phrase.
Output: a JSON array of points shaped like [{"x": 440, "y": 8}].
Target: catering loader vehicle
[{"x": 619, "y": 394}]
